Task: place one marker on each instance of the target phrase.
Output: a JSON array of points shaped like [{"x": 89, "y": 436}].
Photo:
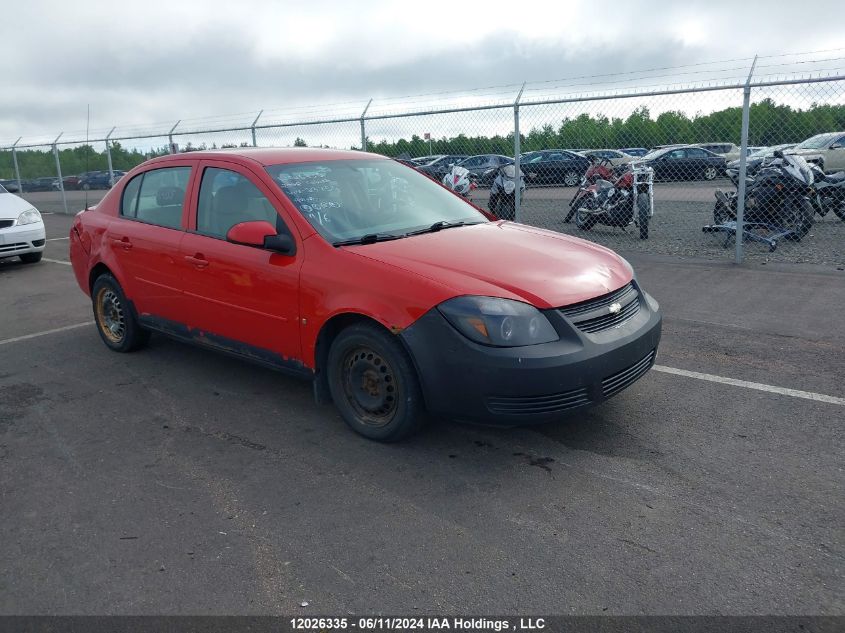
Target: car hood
[
  {"x": 508, "y": 260},
  {"x": 11, "y": 206}
]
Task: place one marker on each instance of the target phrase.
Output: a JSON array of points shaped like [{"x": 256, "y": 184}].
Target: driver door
[{"x": 240, "y": 298}]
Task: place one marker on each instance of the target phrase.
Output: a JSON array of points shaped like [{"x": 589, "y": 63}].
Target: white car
[
  {"x": 21, "y": 229},
  {"x": 826, "y": 150}
]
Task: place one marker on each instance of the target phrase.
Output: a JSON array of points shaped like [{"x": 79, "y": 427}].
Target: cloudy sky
[{"x": 148, "y": 64}]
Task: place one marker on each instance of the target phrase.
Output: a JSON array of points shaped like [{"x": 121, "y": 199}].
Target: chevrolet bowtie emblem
[{"x": 615, "y": 307}]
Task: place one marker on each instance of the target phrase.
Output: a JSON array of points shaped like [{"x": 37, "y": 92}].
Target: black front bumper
[{"x": 463, "y": 380}]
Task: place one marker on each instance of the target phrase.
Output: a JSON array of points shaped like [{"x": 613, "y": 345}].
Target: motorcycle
[
  {"x": 502, "y": 201},
  {"x": 776, "y": 200},
  {"x": 459, "y": 180},
  {"x": 828, "y": 192},
  {"x": 614, "y": 197}
]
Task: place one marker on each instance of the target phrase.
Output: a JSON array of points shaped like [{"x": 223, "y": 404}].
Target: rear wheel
[
  {"x": 710, "y": 173},
  {"x": 31, "y": 258},
  {"x": 116, "y": 323},
  {"x": 571, "y": 178},
  {"x": 373, "y": 383}
]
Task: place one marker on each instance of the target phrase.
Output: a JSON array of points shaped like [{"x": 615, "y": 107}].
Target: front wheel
[
  {"x": 373, "y": 383},
  {"x": 583, "y": 219},
  {"x": 643, "y": 214},
  {"x": 115, "y": 320}
]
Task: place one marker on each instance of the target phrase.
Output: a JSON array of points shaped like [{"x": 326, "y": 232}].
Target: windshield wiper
[
  {"x": 369, "y": 238},
  {"x": 439, "y": 226}
]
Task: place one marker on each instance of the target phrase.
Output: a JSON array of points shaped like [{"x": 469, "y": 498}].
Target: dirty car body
[{"x": 392, "y": 294}]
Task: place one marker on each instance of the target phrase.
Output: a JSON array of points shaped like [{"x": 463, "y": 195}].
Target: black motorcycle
[{"x": 776, "y": 200}]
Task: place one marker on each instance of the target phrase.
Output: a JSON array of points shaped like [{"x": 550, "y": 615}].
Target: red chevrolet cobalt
[{"x": 393, "y": 295}]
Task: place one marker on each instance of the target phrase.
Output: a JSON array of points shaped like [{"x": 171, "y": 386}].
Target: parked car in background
[
  {"x": 636, "y": 152},
  {"x": 729, "y": 150},
  {"x": 441, "y": 165},
  {"x": 613, "y": 155},
  {"x": 22, "y": 231},
  {"x": 45, "y": 183},
  {"x": 555, "y": 167},
  {"x": 826, "y": 150},
  {"x": 383, "y": 296},
  {"x": 10, "y": 186},
  {"x": 422, "y": 160},
  {"x": 483, "y": 167},
  {"x": 685, "y": 163},
  {"x": 99, "y": 179}
]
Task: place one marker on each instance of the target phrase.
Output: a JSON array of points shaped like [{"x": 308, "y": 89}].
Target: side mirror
[
  {"x": 250, "y": 233},
  {"x": 838, "y": 145},
  {"x": 281, "y": 243}
]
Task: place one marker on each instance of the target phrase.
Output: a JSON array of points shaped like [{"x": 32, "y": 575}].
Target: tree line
[{"x": 769, "y": 124}]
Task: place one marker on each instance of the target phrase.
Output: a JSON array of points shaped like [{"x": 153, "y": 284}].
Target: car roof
[{"x": 271, "y": 155}]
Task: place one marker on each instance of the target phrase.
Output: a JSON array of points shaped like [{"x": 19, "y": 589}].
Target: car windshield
[
  {"x": 3, "y": 189},
  {"x": 817, "y": 141},
  {"x": 349, "y": 199}
]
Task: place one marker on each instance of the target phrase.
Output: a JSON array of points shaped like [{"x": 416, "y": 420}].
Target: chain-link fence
[{"x": 653, "y": 171}]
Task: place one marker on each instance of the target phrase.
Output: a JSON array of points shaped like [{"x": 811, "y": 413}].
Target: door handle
[
  {"x": 123, "y": 242},
  {"x": 197, "y": 260}
]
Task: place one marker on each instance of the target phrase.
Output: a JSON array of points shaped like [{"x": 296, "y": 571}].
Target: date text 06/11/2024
[{"x": 467, "y": 625}]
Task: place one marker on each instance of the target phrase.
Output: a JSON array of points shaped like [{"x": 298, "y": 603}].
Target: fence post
[
  {"x": 59, "y": 170},
  {"x": 252, "y": 127},
  {"x": 743, "y": 146},
  {"x": 108, "y": 157},
  {"x": 517, "y": 199},
  {"x": 15, "y": 161},
  {"x": 170, "y": 137},
  {"x": 363, "y": 127}
]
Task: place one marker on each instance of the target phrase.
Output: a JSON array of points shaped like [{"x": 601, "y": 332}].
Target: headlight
[
  {"x": 498, "y": 322},
  {"x": 30, "y": 216}
]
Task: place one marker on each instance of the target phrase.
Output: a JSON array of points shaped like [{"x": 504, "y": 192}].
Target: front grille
[
  {"x": 526, "y": 405},
  {"x": 628, "y": 376},
  {"x": 5, "y": 224},
  {"x": 38, "y": 242},
  {"x": 11, "y": 248},
  {"x": 594, "y": 315}
]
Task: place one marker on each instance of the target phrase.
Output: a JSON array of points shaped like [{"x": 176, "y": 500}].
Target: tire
[
  {"x": 571, "y": 179},
  {"x": 800, "y": 219},
  {"x": 31, "y": 258},
  {"x": 583, "y": 220},
  {"x": 373, "y": 383},
  {"x": 721, "y": 214},
  {"x": 643, "y": 214},
  {"x": 86, "y": 187},
  {"x": 115, "y": 319},
  {"x": 710, "y": 173}
]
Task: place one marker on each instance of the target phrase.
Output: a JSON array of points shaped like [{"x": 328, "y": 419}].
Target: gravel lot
[{"x": 178, "y": 481}]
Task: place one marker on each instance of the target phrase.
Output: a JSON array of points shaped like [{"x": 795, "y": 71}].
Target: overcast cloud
[{"x": 142, "y": 63}]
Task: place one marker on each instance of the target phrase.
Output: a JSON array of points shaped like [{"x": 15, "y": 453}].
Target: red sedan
[{"x": 393, "y": 295}]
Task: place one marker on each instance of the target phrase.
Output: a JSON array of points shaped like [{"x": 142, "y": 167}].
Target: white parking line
[
  {"x": 45, "y": 332},
  {"x": 54, "y": 261},
  {"x": 783, "y": 391},
  {"x": 56, "y": 239}
]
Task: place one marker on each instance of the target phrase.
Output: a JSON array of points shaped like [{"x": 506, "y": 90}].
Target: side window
[
  {"x": 695, "y": 152},
  {"x": 129, "y": 203},
  {"x": 161, "y": 195},
  {"x": 675, "y": 154},
  {"x": 228, "y": 198}
]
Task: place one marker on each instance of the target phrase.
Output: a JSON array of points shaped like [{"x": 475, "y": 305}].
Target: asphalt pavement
[{"x": 178, "y": 481}]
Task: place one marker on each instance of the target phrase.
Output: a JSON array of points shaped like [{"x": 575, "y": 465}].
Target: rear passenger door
[
  {"x": 240, "y": 298},
  {"x": 143, "y": 240}
]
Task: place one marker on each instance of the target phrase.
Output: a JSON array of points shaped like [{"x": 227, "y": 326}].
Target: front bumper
[
  {"x": 463, "y": 380},
  {"x": 18, "y": 240}
]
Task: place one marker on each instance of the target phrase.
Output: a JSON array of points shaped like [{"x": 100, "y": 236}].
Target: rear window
[{"x": 156, "y": 196}]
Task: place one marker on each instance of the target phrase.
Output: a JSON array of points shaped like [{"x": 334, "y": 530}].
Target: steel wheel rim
[
  {"x": 370, "y": 386},
  {"x": 110, "y": 315}
]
